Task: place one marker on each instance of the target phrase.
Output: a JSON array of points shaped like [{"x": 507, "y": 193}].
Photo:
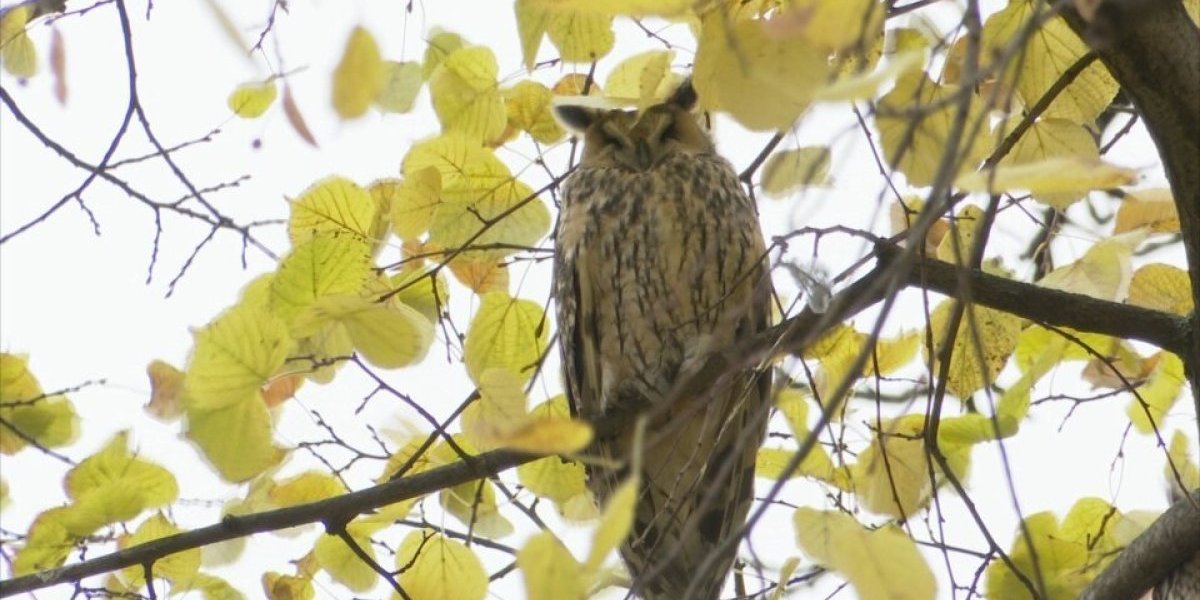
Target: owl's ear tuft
[
  {"x": 576, "y": 118},
  {"x": 684, "y": 96}
]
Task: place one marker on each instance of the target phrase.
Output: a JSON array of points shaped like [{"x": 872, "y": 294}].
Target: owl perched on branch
[{"x": 660, "y": 262}]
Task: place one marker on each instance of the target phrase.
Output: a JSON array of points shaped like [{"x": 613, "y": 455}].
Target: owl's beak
[{"x": 644, "y": 159}]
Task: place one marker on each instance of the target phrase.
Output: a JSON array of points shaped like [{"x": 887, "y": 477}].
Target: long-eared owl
[{"x": 660, "y": 262}]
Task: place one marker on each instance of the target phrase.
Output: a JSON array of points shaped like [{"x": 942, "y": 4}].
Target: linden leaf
[
  {"x": 1154, "y": 209},
  {"x": 360, "y": 76},
  {"x": 343, "y": 565},
  {"x": 277, "y": 586},
  {"x": 1050, "y": 50},
  {"x": 401, "y": 83},
  {"x": 16, "y": 49},
  {"x": 763, "y": 81},
  {"x": 789, "y": 170},
  {"x": 528, "y": 107},
  {"x": 114, "y": 464},
  {"x": 388, "y": 335},
  {"x": 233, "y": 357},
  {"x": 421, "y": 289},
  {"x": 466, "y": 96},
  {"x": 615, "y": 523},
  {"x": 501, "y": 219},
  {"x": 416, "y": 202},
  {"x": 959, "y": 246},
  {"x": 166, "y": 388},
  {"x": 1179, "y": 454},
  {"x": 1159, "y": 393},
  {"x": 506, "y": 333},
  {"x": 915, "y": 145},
  {"x": 553, "y": 477},
  {"x": 326, "y": 265},
  {"x": 180, "y": 567},
  {"x": 580, "y": 37},
  {"x": 1104, "y": 271},
  {"x": 645, "y": 78},
  {"x": 1050, "y": 179},
  {"x": 474, "y": 503},
  {"x": 308, "y": 486},
  {"x": 47, "y": 543},
  {"x": 550, "y": 571},
  {"x": 49, "y": 421},
  {"x": 1161, "y": 287},
  {"x": 332, "y": 205},
  {"x": 464, "y": 164},
  {"x": 881, "y": 564},
  {"x": 438, "y": 568},
  {"x": 235, "y": 438},
  {"x": 864, "y": 86},
  {"x": 481, "y": 276},
  {"x": 531, "y": 28},
  {"x": 440, "y": 45},
  {"x": 251, "y": 100},
  {"x": 1054, "y": 138},
  {"x": 991, "y": 332},
  {"x": 892, "y": 474},
  {"x": 1063, "y": 562}
]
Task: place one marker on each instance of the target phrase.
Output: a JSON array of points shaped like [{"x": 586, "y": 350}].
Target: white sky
[{"x": 80, "y": 306}]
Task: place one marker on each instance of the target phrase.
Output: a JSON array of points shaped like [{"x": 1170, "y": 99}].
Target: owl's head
[{"x": 637, "y": 141}]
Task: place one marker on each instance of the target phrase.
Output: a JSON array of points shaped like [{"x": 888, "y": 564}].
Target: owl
[{"x": 659, "y": 263}]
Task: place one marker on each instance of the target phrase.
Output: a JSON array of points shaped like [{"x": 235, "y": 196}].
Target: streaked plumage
[{"x": 660, "y": 262}]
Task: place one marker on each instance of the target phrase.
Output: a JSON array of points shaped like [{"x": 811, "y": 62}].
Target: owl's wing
[{"x": 578, "y": 336}]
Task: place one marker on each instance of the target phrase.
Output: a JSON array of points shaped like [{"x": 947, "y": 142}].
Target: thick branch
[
  {"x": 1170, "y": 541},
  {"x": 1152, "y": 48}
]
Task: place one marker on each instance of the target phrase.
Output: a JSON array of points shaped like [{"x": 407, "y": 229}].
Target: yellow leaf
[
  {"x": 5, "y": 500},
  {"x": 893, "y": 353},
  {"x": 421, "y": 289},
  {"x": 1160, "y": 392},
  {"x": 573, "y": 84},
  {"x": 500, "y": 409},
  {"x": 1062, "y": 562},
  {"x": 1161, "y": 287},
  {"x": 863, "y": 86},
  {"x": 332, "y": 205},
  {"x": 1049, "y": 179},
  {"x": 251, "y": 100},
  {"x": 1103, "y": 272},
  {"x": 209, "y": 588},
  {"x": 834, "y": 25},
  {"x": 343, "y": 565},
  {"x": 277, "y": 586},
  {"x": 16, "y": 49},
  {"x": 531, "y": 27},
  {"x": 50, "y": 421},
  {"x": 507, "y": 333},
  {"x": 440, "y": 45},
  {"x": 549, "y": 436},
  {"x": 180, "y": 567},
  {"x": 464, "y": 164},
  {"x": 323, "y": 266},
  {"x": 474, "y": 503},
  {"x": 323, "y": 351},
  {"x": 498, "y": 221},
  {"x": 1050, "y": 138},
  {"x": 46, "y": 544},
  {"x": 383, "y": 194},
  {"x": 553, "y": 477},
  {"x": 308, "y": 486},
  {"x": 388, "y": 335},
  {"x": 994, "y": 335},
  {"x": 880, "y": 564},
  {"x": 166, "y": 387},
  {"x": 234, "y": 357},
  {"x": 416, "y": 202},
  {"x": 359, "y": 77},
  {"x": 114, "y": 464},
  {"x": 528, "y": 107},
  {"x": 765, "y": 82},
  {"x": 1179, "y": 454},
  {"x": 438, "y": 568},
  {"x": 644, "y": 78},
  {"x": 790, "y": 170},
  {"x": 615, "y": 523},
  {"x": 892, "y": 474},
  {"x": 1154, "y": 209},
  {"x": 915, "y": 135},
  {"x": 401, "y": 83},
  {"x": 466, "y": 96},
  {"x": 959, "y": 246},
  {"x": 551, "y": 573},
  {"x": 580, "y": 37},
  {"x": 1051, "y": 49},
  {"x": 481, "y": 276},
  {"x": 235, "y": 438}
]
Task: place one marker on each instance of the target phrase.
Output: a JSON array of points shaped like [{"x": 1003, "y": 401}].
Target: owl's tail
[{"x": 697, "y": 488}]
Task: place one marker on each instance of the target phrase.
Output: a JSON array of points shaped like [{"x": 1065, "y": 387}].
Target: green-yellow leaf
[
  {"x": 790, "y": 170},
  {"x": 528, "y": 107},
  {"x": 360, "y": 76},
  {"x": 50, "y": 421},
  {"x": 343, "y": 565},
  {"x": 643, "y": 78},
  {"x": 506, "y": 333},
  {"x": 553, "y": 477},
  {"x": 1153, "y": 208},
  {"x": 1104, "y": 271},
  {"x": 419, "y": 288},
  {"x": 1160, "y": 392},
  {"x": 1179, "y": 454},
  {"x": 580, "y": 37},
  {"x": 416, "y": 202},
  {"x": 251, "y": 100},
  {"x": 883, "y": 564},
  {"x": 277, "y": 586},
  {"x": 1059, "y": 177},
  {"x": 981, "y": 346},
  {"x": 439, "y": 568},
  {"x": 550, "y": 571},
  {"x": 234, "y": 356},
  {"x": 1062, "y": 561},
  {"x": 326, "y": 265},
  {"x": 308, "y": 486},
  {"x": 892, "y": 474},
  {"x": 509, "y": 214},
  {"x": 615, "y": 523},
  {"x": 16, "y": 49},
  {"x": 47, "y": 543},
  {"x": 235, "y": 438},
  {"x": 915, "y": 145},
  {"x": 388, "y": 334},
  {"x": 440, "y": 45},
  {"x": 466, "y": 96},
  {"x": 402, "y": 82},
  {"x": 474, "y": 504},
  {"x": 332, "y": 205},
  {"x": 114, "y": 464},
  {"x": 864, "y": 86},
  {"x": 764, "y": 81},
  {"x": 1161, "y": 287},
  {"x": 1051, "y": 138},
  {"x": 176, "y": 568}
]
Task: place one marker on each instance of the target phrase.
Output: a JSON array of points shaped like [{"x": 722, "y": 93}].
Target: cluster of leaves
[{"x": 458, "y": 207}]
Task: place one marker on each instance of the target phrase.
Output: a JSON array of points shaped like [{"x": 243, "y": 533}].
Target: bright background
[{"x": 84, "y": 309}]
